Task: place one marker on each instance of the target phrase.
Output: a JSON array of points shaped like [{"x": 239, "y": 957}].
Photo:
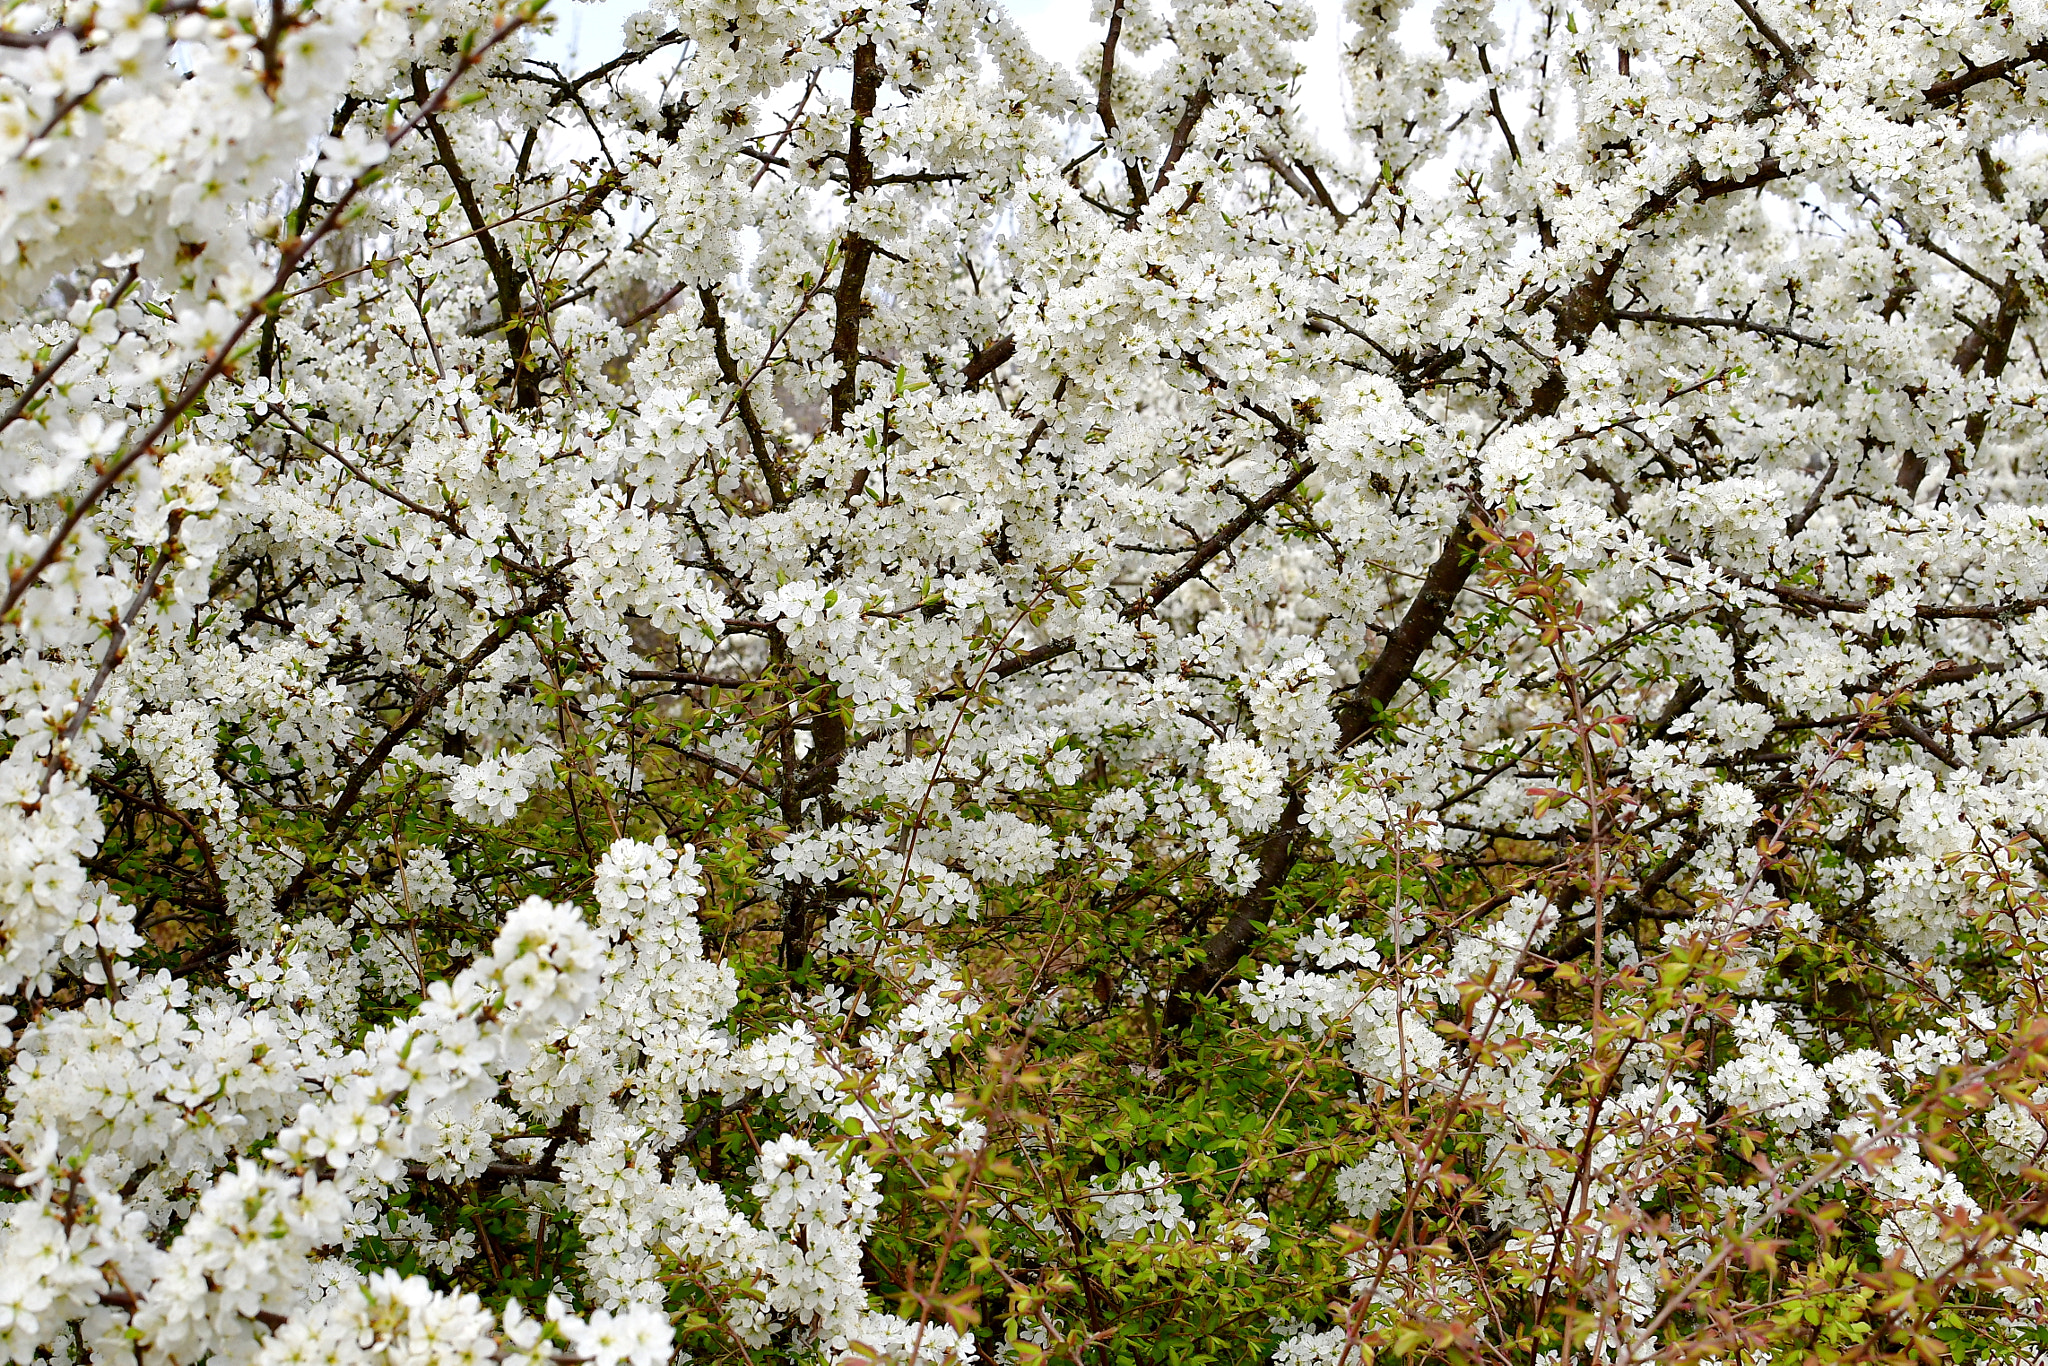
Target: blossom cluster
[{"x": 845, "y": 689}]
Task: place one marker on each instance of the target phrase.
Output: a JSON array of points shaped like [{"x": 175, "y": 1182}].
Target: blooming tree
[{"x": 842, "y": 690}]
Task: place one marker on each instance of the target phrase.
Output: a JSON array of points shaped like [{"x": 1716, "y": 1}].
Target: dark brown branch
[
  {"x": 692, "y": 680},
  {"x": 533, "y": 313},
  {"x": 988, "y": 360},
  {"x": 1315, "y": 179},
  {"x": 1990, "y": 347},
  {"x": 1942, "y": 674},
  {"x": 1797, "y": 522},
  {"x": 1031, "y": 658},
  {"x": 498, "y": 1172},
  {"x": 712, "y": 761},
  {"x": 446, "y": 519},
  {"x": 1221, "y": 950},
  {"x": 1183, "y": 132},
  {"x": 920, "y": 178},
  {"x": 1431, "y": 607},
  {"x": 1694, "y": 180},
  {"x": 1586, "y": 306},
  {"x": 380, "y": 262},
  {"x": 1425, "y": 616},
  {"x": 600, "y": 190},
  {"x": 1167, "y": 584},
  {"x": 1938, "y": 676},
  {"x": 667, "y": 298},
  {"x": 800, "y": 903},
  {"x": 1105, "y": 105},
  {"x": 849, "y": 296},
  {"x": 504, "y": 275},
  {"x": 1646, "y": 316},
  {"x": 1105, "y": 101},
  {"x": 1919, "y": 736},
  {"x": 750, "y": 422},
  {"x": 1500, "y": 117},
  {"x": 1784, "y": 49},
  {"x": 1273, "y": 162},
  {"x": 1199, "y": 556},
  {"x": 1934, "y": 248},
  {"x": 64, "y": 110},
  {"x": 117, "y": 645},
  {"x": 40, "y": 38},
  {"x": 1822, "y": 602},
  {"x": 128, "y": 1300},
  {"x": 624, "y": 59},
  {"x": 1948, "y": 91}
]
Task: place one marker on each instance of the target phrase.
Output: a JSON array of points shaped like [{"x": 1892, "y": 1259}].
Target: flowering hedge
[{"x": 835, "y": 691}]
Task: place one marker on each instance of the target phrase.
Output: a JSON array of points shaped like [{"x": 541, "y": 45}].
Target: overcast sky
[{"x": 592, "y": 31}]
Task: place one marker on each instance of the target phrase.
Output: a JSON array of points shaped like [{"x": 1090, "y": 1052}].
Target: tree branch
[
  {"x": 338, "y": 811},
  {"x": 849, "y": 296},
  {"x": 1221, "y": 950},
  {"x": 1165, "y": 585},
  {"x": 988, "y": 360},
  {"x": 750, "y": 422},
  {"x": 1362, "y": 712},
  {"x": 525, "y": 382},
  {"x": 1793, "y": 65},
  {"x": 1425, "y": 616},
  {"x": 1105, "y": 107},
  {"x": 309, "y": 189},
  {"x": 1948, "y": 91},
  {"x": 1183, "y": 133},
  {"x": 1500, "y": 117},
  {"x": 1647, "y": 316}
]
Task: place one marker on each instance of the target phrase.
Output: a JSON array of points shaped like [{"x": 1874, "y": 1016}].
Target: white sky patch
[{"x": 590, "y": 32}]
